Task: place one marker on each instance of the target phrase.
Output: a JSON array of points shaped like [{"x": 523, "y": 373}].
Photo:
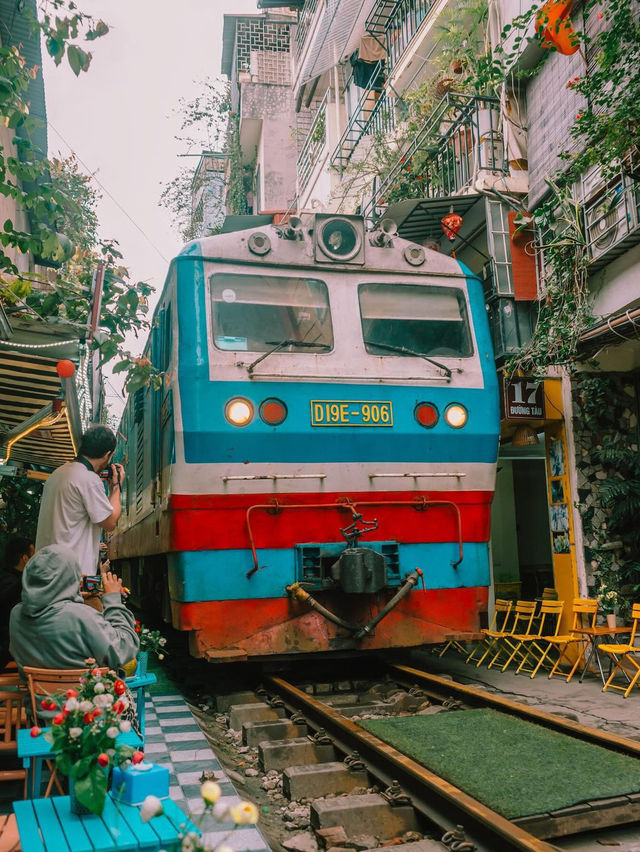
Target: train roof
[{"x": 271, "y": 246}]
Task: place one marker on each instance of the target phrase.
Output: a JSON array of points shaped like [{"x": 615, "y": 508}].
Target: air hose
[{"x": 296, "y": 591}]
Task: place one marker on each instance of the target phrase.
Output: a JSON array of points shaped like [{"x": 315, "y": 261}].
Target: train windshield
[
  {"x": 425, "y": 320},
  {"x": 259, "y": 312}
]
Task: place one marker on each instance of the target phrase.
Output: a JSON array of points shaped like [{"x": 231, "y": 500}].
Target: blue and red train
[{"x": 316, "y": 473}]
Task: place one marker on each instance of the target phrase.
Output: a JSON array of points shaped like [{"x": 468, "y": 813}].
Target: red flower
[
  {"x": 58, "y": 719},
  {"x": 119, "y": 688},
  {"x": 118, "y": 707},
  {"x": 138, "y": 626},
  {"x": 103, "y": 759},
  {"x": 90, "y": 661},
  {"x": 35, "y": 731},
  {"x": 137, "y": 757},
  {"x": 48, "y": 704},
  {"x": 97, "y": 712},
  {"x": 600, "y": 16},
  {"x": 96, "y": 672},
  {"x": 72, "y": 693},
  {"x": 87, "y": 718},
  {"x": 579, "y": 116}
]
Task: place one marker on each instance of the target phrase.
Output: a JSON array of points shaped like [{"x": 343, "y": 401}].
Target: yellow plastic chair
[
  {"x": 621, "y": 654},
  {"x": 536, "y": 652},
  {"x": 585, "y": 611},
  {"x": 522, "y": 625},
  {"x": 499, "y": 622}
]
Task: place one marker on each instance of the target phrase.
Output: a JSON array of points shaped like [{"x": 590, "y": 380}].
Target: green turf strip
[{"x": 514, "y": 767}]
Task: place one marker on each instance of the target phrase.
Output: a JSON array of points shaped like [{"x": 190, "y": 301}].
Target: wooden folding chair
[
  {"x": 539, "y": 644},
  {"x": 585, "y": 612},
  {"x": 12, "y": 718},
  {"x": 499, "y": 622},
  {"x": 522, "y": 625},
  {"x": 48, "y": 682},
  {"x": 621, "y": 654}
]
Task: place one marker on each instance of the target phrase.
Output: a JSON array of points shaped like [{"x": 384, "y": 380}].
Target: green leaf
[
  {"x": 82, "y": 767},
  {"x": 74, "y": 55},
  {"x": 91, "y": 791},
  {"x": 121, "y": 366}
]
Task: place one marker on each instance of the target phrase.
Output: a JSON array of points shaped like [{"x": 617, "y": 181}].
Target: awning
[
  {"x": 419, "y": 219},
  {"x": 616, "y": 329},
  {"x": 36, "y": 426},
  {"x": 338, "y": 35}
]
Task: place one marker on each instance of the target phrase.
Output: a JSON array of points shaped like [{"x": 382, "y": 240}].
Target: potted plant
[
  {"x": 608, "y": 600},
  {"x": 150, "y": 640},
  {"x": 83, "y": 736}
]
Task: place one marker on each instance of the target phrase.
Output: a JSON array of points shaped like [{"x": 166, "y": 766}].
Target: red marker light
[
  {"x": 273, "y": 412},
  {"x": 426, "y": 414}
]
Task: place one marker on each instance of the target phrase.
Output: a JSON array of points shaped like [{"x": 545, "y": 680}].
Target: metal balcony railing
[
  {"x": 401, "y": 26},
  {"x": 314, "y": 145},
  {"x": 373, "y": 114},
  {"x": 304, "y": 23},
  {"x": 459, "y": 138}
]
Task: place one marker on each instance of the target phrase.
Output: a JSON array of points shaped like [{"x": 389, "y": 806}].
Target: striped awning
[{"x": 37, "y": 426}]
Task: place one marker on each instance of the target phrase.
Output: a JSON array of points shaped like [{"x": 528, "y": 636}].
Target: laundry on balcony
[{"x": 367, "y": 75}]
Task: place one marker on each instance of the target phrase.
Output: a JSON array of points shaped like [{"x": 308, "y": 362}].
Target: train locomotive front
[{"x": 316, "y": 473}]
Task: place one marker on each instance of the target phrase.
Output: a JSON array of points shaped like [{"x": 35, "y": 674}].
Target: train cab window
[
  {"x": 426, "y": 320},
  {"x": 259, "y": 312}
]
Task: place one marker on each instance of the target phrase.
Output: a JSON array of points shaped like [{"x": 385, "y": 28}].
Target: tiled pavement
[{"x": 174, "y": 740}]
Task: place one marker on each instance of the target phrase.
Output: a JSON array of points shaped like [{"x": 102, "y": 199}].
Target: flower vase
[
  {"x": 611, "y": 619},
  {"x": 143, "y": 661}
]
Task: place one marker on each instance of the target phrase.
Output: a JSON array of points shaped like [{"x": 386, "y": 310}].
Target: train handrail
[{"x": 420, "y": 504}]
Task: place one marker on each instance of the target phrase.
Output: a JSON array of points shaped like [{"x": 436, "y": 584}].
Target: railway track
[{"x": 454, "y": 819}]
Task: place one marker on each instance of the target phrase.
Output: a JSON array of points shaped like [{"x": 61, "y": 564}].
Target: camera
[
  {"x": 92, "y": 583},
  {"x": 106, "y": 474}
]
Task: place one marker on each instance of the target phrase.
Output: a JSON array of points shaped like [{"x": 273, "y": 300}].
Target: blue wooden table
[{"x": 47, "y": 825}]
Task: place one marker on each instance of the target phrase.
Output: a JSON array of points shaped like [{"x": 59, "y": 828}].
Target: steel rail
[
  {"x": 439, "y": 801},
  {"x": 440, "y": 688}
]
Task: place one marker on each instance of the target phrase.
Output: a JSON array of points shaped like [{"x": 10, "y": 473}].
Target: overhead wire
[{"x": 92, "y": 175}]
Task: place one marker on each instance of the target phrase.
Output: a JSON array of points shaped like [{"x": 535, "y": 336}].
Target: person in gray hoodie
[{"x": 53, "y": 629}]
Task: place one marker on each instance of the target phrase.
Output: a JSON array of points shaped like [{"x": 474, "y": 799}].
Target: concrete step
[
  {"x": 254, "y": 733},
  {"x": 370, "y": 812},
  {"x": 259, "y": 712},
  {"x": 311, "y": 782},
  {"x": 280, "y": 754},
  {"x": 223, "y": 702}
]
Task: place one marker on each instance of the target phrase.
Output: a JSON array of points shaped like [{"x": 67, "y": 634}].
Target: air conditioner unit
[{"x": 610, "y": 215}]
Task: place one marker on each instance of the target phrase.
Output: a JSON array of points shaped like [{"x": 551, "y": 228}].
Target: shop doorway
[{"x": 522, "y": 563}]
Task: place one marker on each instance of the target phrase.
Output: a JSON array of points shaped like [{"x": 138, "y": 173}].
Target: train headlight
[
  {"x": 273, "y": 412},
  {"x": 456, "y": 415},
  {"x": 426, "y": 414},
  {"x": 338, "y": 238},
  {"x": 239, "y": 411}
]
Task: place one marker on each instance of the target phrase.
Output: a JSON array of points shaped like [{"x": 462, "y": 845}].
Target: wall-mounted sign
[{"x": 524, "y": 399}]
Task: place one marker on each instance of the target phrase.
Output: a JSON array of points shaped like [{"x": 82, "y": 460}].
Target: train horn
[{"x": 383, "y": 234}]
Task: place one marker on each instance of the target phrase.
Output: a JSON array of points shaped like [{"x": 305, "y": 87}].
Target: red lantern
[
  {"x": 451, "y": 224},
  {"x": 554, "y": 27},
  {"x": 65, "y": 369}
]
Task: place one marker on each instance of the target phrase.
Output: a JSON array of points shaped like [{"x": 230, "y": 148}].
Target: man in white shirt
[{"x": 74, "y": 507}]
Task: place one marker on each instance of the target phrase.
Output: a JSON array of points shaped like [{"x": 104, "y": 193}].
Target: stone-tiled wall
[{"x": 598, "y": 417}]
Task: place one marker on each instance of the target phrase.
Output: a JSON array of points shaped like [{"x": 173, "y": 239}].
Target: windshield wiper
[
  {"x": 402, "y": 350},
  {"x": 286, "y": 342}
]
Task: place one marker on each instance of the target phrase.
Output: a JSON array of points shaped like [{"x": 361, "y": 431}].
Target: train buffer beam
[
  {"x": 254, "y": 733},
  {"x": 316, "y": 780},
  {"x": 239, "y": 714},
  {"x": 280, "y": 754},
  {"x": 224, "y": 702},
  {"x": 381, "y": 819}
]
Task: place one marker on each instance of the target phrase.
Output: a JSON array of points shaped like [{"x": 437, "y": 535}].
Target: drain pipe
[{"x": 403, "y": 591}]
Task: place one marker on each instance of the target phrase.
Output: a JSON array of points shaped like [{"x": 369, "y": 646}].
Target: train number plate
[{"x": 328, "y": 412}]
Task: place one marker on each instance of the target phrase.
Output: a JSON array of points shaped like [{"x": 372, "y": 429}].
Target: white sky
[{"x": 118, "y": 118}]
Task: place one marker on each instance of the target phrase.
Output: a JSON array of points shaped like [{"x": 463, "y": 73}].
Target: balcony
[
  {"x": 460, "y": 139},
  {"x": 374, "y": 113},
  {"x": 304, "y": 24},
  {"x": 398, "y": 22},
  {"x": 314, "y": 145}
]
